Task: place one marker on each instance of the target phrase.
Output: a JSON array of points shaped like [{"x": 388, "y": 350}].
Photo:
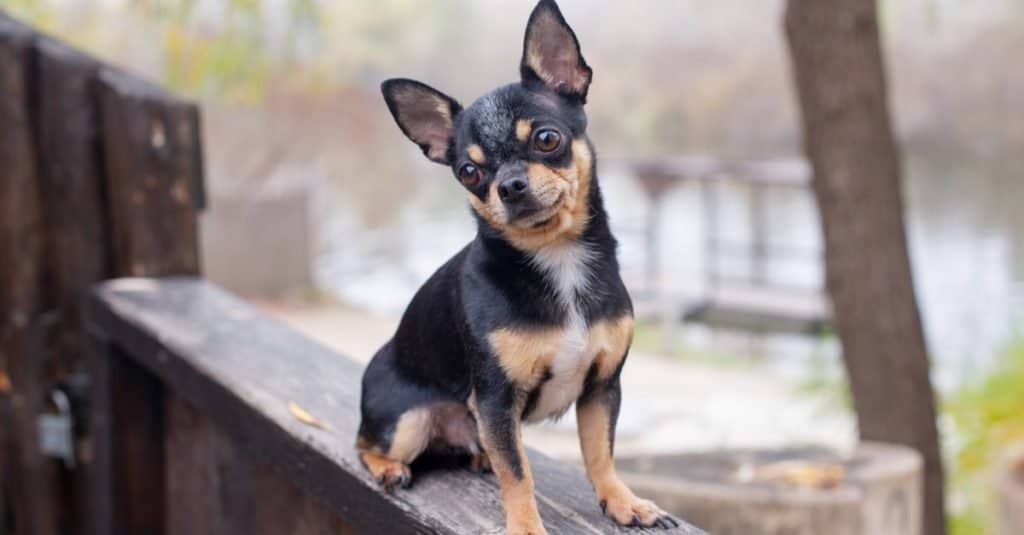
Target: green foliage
[
  {"x": 986, "y": 418},
  {"x": 229, "y": 60},
  {"x": 39, "y": 13}
]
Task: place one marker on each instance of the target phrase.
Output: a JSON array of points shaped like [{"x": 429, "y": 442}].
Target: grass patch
[{"x": 985, "y": 418}]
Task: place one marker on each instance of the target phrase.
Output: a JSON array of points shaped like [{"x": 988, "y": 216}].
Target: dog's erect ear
[
  {"x": 551, "y": 54},
  {"x": 425, "y": 115}
]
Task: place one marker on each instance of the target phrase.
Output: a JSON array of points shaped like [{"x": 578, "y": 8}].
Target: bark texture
[{"x": 848, "y": 137}]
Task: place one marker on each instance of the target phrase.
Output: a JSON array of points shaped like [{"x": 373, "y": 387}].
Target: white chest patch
[{"x": 566, "y": 270}]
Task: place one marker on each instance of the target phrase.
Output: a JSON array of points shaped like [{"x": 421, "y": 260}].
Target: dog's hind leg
[{"x": 389, "y": 464}]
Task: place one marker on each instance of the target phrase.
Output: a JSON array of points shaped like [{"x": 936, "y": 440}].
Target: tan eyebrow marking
[
  {"x": 476, "y": 154},
  {"x": 523, "y": 129}
]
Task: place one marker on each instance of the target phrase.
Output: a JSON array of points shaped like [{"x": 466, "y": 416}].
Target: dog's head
[{"x": 520, "y": 151}]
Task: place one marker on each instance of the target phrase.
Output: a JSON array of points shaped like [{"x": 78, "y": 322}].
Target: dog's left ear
[{"x": 551, "y": 54}]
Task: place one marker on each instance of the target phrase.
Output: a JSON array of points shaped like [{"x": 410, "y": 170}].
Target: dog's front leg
[
  {"x": 596, "y": 414},
  {"x": 497, "y": 415}
]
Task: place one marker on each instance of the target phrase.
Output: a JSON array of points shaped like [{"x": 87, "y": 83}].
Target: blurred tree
[{"x": 848, "y": 136}]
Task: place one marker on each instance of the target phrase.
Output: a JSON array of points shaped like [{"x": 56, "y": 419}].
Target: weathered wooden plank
[
  {"x": 152, "y": 156},
  {"x": 5, "y": 447},
  {"x": 35, "y": 504},
  {"x": 99, "y": 361},
  {"x": 152, "y": 163},
  {"x": 127, "y": 432},
  {"x": 215, "y": 486},
  {"x": 67, "y": 126},
  {"x": 77, "y": 245},
  {"x": 241, "y": 369}
]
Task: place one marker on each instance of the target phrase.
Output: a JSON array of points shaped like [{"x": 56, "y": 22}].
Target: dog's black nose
[{"x": 513, "y": 190}]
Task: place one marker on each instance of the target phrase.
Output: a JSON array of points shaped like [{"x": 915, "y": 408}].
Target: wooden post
[
  {"x": 151, "y": 155},
  {"x": 99, "y": 177},
  {"x": 4, "y": 459},
  {"x": 69, "y": 173},
  {"x": 77, "y": 245},
  {"x": 151, "y": 148},
  {"x": 127, "y": 478},
  {"x": 36, "y": 503}
]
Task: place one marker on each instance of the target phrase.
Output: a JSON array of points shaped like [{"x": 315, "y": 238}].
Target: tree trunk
[{"x": 848, "y": 137}]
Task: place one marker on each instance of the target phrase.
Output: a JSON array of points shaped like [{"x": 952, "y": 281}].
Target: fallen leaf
[
  {"x": 803, "y": 474},
  {"x": 301, "y": 415},
  {"x": 5, "y": 383}
]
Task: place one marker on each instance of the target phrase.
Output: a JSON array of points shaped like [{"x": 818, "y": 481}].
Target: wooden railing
[
  {"x": 239, "y": 460},
  {"x": 180, "y": 398},
  {"x": 100, "y": 177}
]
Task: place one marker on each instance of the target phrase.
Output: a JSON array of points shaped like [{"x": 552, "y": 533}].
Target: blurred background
[{"x": 324, "y": 214}]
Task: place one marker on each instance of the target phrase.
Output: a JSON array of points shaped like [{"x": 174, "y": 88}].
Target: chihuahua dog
[{"x": 532, "y": 315}]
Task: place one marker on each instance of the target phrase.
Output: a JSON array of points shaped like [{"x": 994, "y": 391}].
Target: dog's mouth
[
  {"x": 542, "y": 215},
  {"x": 544, "y": 223}
]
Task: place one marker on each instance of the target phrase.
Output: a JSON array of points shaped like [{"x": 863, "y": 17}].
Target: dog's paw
[
  {"x": 394, "y": 476},
  {"x": 388, "y": 473},
  {"x": 628, "y": 510},
  {"x": 535, "y": 529},
  {"x": 524, "y": 523},
  {"x": 480, "y": 463}
]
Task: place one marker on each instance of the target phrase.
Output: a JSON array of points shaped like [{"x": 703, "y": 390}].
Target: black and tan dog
[{"x": 531, "y": 316}]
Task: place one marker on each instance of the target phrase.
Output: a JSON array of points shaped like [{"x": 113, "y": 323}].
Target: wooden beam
[
  {"x": 241, "y": 370},
  {"x": 35, "y": 505},
  {"x": 153, "y": 174}
]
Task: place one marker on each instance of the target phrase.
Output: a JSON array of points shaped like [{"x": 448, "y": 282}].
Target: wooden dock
[{"x": 751, "y": 304}]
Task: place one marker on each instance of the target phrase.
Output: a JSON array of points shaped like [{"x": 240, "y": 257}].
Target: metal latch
[{"x": 56, "y": 431}]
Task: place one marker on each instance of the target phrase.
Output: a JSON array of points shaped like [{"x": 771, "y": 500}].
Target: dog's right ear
[{"x": 425, "y": 115}]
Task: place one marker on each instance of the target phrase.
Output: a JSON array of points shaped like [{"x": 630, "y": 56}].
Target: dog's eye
[
  {"x": 469, "y": 174},
  {"x": 547, "y": 140}
]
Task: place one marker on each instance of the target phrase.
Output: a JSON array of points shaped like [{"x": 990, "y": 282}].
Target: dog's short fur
[{"x": 531, "y": 316}]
